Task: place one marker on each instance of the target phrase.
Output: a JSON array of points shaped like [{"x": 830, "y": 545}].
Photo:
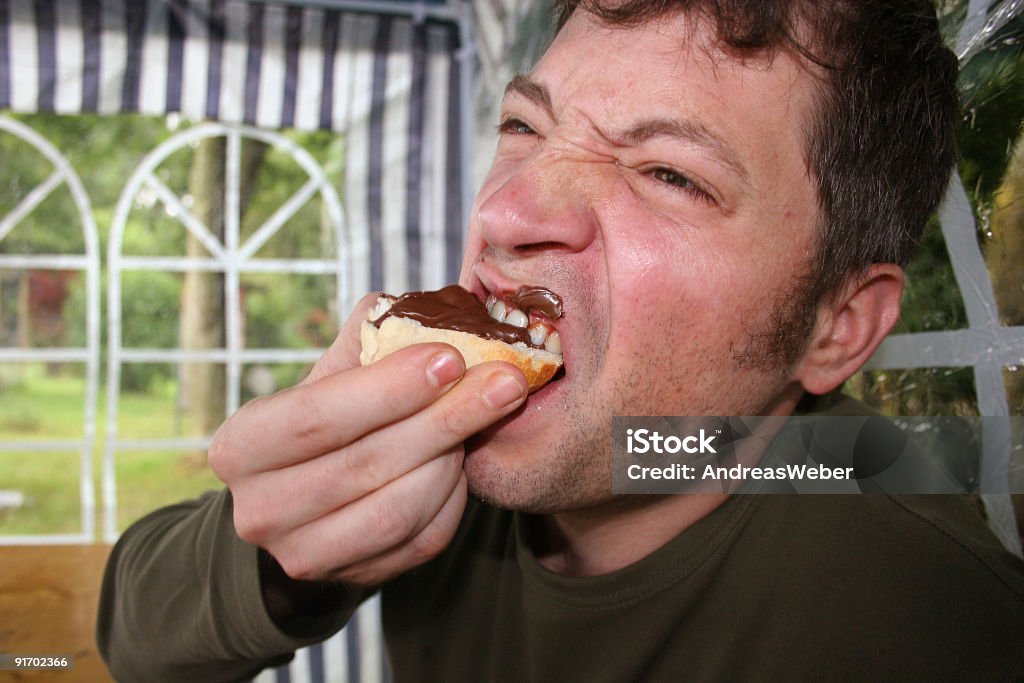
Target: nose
[{"x": 541, "y": 204}]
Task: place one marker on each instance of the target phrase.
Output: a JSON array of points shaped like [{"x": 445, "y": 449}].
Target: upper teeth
[
  {"x": 497, "y": 309},
  {"x": 516, "y": 317},
  {"x": 540, "y": 334}
]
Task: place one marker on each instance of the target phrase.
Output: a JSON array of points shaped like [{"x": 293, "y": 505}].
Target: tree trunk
[
  {"x": 203, "y": 311},
  {"x": 202, "y": 294}
]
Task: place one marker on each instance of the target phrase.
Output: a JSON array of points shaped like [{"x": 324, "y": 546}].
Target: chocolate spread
[
  {"x": 538, "y": 299},
  {"x": 454, "y": 308}
]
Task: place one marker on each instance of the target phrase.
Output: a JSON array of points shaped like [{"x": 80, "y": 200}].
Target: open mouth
[
  {"x": 536, "y": 322},
  {"x": 535, "y": 309}
]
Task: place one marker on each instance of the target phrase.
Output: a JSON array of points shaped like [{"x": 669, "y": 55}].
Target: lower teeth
[{"x": 553, "y": 343}]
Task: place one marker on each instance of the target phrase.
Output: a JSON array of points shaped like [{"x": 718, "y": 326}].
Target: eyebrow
[
  {"x": 687, "y": 131},
  {"x": 526, "y": 87}
]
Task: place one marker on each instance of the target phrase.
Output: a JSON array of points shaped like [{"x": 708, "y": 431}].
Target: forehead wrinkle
[
  {"x": 522, "y": 85},
  {"x": 686, "y": 131}
]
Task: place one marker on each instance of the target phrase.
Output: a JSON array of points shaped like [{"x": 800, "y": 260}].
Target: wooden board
[{"x": 48, "y": 598}]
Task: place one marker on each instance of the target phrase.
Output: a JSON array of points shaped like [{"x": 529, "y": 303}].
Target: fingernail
[
  {"x": 444, "y": 368},
  {"x": 502, "y": 390}
]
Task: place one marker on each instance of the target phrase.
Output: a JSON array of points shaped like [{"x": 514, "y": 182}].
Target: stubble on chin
[{"x": 573, "y": 472}]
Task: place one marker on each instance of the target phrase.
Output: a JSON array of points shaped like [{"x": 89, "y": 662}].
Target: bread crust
[{"x": 396, "y": 333}]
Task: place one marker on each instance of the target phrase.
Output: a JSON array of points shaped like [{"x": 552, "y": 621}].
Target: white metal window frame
[
  {"x": 232, "y": 257},
  {"x": 89, "y": 263}
]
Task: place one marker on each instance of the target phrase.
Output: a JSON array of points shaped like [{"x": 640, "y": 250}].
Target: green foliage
[
  {"x": 266, "y": 307},
  {"x": 53, "y": 227},
  {"x": 149, "y": 319},
  {"x": 275, "y": 318},
  {"x": 278, "y": 178},
  {"x": 102, "y": 149},
  {"x": 290, "y": 311},
  {"x": 993, "y": 84},
  {"x": 931, "y": 300}
]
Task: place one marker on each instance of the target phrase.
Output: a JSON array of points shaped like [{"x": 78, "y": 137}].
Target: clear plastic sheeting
[
  {"x": 985, "y": 20},
  {"x": 982, "y": 230}
]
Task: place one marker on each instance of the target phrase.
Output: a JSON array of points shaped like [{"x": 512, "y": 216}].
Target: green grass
[
  {"x": 35, "y": 406},
  {"x": 49, "y": 483}
]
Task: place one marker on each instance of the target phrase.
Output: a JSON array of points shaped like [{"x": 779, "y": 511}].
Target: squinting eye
[
  {"x": 667, "y": 175},
  {"x": 678, "y": 180},
  {"x": 514, "y": 127}
]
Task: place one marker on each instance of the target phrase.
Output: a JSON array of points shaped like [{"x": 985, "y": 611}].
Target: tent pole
[
  {"x": 467, "y": 72},
  {"x": 423, "y": 10}
]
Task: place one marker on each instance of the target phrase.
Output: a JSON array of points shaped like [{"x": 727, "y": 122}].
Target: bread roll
[{"x": 394, "y": 333}]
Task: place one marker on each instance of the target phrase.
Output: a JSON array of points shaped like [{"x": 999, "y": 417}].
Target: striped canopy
[
  {"x": 274, "y": 65},
  {"x": 390, "y": 80}
]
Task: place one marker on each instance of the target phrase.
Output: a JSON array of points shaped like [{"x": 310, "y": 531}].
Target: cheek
[
  {"x": 681, "y": 308},
  {"x": 660, "y": 275}
]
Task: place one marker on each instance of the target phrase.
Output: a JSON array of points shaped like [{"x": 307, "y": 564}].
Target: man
[{"x": 722, "y": 193}]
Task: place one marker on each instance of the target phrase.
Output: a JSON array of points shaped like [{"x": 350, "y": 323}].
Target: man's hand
[{"x": 355, "y": 474}]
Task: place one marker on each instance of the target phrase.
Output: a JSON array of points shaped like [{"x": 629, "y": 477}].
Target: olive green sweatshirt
[
  {"x": 766, "y": 587},
  {"x": 781, "y": 587}
]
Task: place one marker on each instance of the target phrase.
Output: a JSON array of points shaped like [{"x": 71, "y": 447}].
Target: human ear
[{"x": 850, "y": 327}]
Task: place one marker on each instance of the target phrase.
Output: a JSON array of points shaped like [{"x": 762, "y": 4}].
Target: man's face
[{"x": 659, "y": 186}]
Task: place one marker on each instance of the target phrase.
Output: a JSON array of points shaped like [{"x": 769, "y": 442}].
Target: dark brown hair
[{"x": 882, "y": 143}]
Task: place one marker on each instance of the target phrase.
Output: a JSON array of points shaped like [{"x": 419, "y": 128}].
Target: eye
[
  {"x": 513, "y": 126},
  {"x": 675, "y": 179}
]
